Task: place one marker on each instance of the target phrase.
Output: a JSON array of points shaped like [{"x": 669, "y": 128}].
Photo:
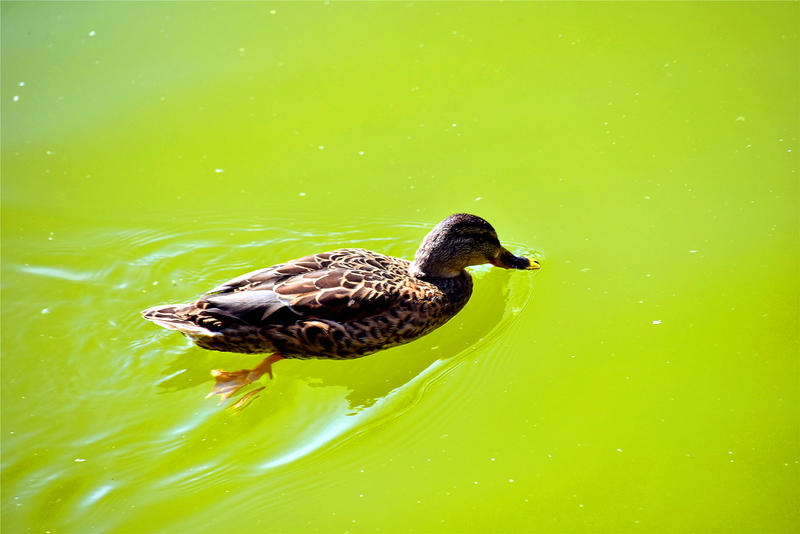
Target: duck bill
[{"x": 507, "y": 260}]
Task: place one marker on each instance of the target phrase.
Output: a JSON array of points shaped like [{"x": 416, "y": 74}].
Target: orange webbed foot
[{"x": 227, "y": 383}]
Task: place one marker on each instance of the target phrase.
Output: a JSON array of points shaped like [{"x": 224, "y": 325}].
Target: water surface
[{"x": 645, "y": 380}]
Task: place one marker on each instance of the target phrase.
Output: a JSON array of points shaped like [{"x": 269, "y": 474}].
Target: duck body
[{"x": 340, "y": 304}]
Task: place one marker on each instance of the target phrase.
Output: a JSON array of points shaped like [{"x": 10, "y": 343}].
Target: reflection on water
[{"x": 372, "y": 377}]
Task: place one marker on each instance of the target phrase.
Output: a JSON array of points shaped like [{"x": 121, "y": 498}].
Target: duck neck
[{"x": 428, "y": 264}]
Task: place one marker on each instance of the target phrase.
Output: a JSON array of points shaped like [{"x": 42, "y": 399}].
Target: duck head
[{"x": 459, "y": 241}]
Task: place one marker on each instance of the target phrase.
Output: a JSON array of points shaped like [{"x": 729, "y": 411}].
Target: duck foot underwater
[
  {"x": 341, "y": 304},
  {"x": 227, "y": 383}
]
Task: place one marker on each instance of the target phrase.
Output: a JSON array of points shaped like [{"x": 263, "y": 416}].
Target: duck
[{"x": 341, "y": 304}]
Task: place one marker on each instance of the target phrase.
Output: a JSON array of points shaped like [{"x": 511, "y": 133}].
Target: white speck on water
[
  {"x": 619, "y": 450},
  {"x": 692, "y": 251},
  {"x": 476, "y": 482},
  {"x": 730, "y": 452},
  {"x": 647, "y": 197},
  {"x": 361, "y": 153},
  {"x": 15, "y": 98},
  {"x": 273, "y": 11},
  {"x": 586, "y": 269},
  {"x": 155, "y": 283},
  {"x": 740, "y": 118},
  {"x": 511, "y": 480},
  {"x": 788, "y": 150},
  {"x": 21, "y": 84},
  {"x": 478, "y": 199},
  {"x": 92, "y": 33},
  {"x": 45, "y": 311},
  {"x": 648, "y": 275},
  {"x": 80, "y": 460},
  {"x": 491, "y": 459},
  {"x": 302, "y": 194},
  {"x": 657, "y": 321},
  {"x": 361, "y": 495},
  {"x": 454, "y": 125},
  {"x": 580, "y": 506},
  {"x": 322, "y": 147},
  {"x": 218, "y": 171}
]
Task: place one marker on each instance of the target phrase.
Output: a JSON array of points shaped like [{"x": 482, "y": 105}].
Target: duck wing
[{"x": 339, "y": 286}]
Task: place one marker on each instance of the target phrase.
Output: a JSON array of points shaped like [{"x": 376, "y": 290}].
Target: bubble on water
[
  {"x": 92, "y": 33},
  {"x": 273, "y": 11},
  {"x": 45, "y": 311},
  {"x": 15, "y": 98},
  {"x": 218, "y": 171},
  {"x": 511, "y": 480},
  {"x": 302, "y": 194},
  {"x": 692, "y": 252},
  {"x": 454, "y": 125},
  {"x": 740, "y": 118},
  {"x": 478, "y": 199},
  {"x": 21, "y": 84},
  {"x": 322, "y": 147},
  {"x": 80, "y": 460},
  {"x": 657, "y": 321},
  {"x": 361, "y": 153}
]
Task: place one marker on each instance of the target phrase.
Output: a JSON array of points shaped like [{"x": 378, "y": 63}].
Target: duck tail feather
[{"x": 174, "y": 317}]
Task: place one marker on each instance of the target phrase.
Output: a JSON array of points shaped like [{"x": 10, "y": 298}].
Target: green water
[{"x": 645, "y": 380}]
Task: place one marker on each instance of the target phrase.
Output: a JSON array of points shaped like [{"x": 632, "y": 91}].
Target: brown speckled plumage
[{"x": 340, "y": 304}]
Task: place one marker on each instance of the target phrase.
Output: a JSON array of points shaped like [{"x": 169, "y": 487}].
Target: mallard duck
[{"x": 340, "y": 304}]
